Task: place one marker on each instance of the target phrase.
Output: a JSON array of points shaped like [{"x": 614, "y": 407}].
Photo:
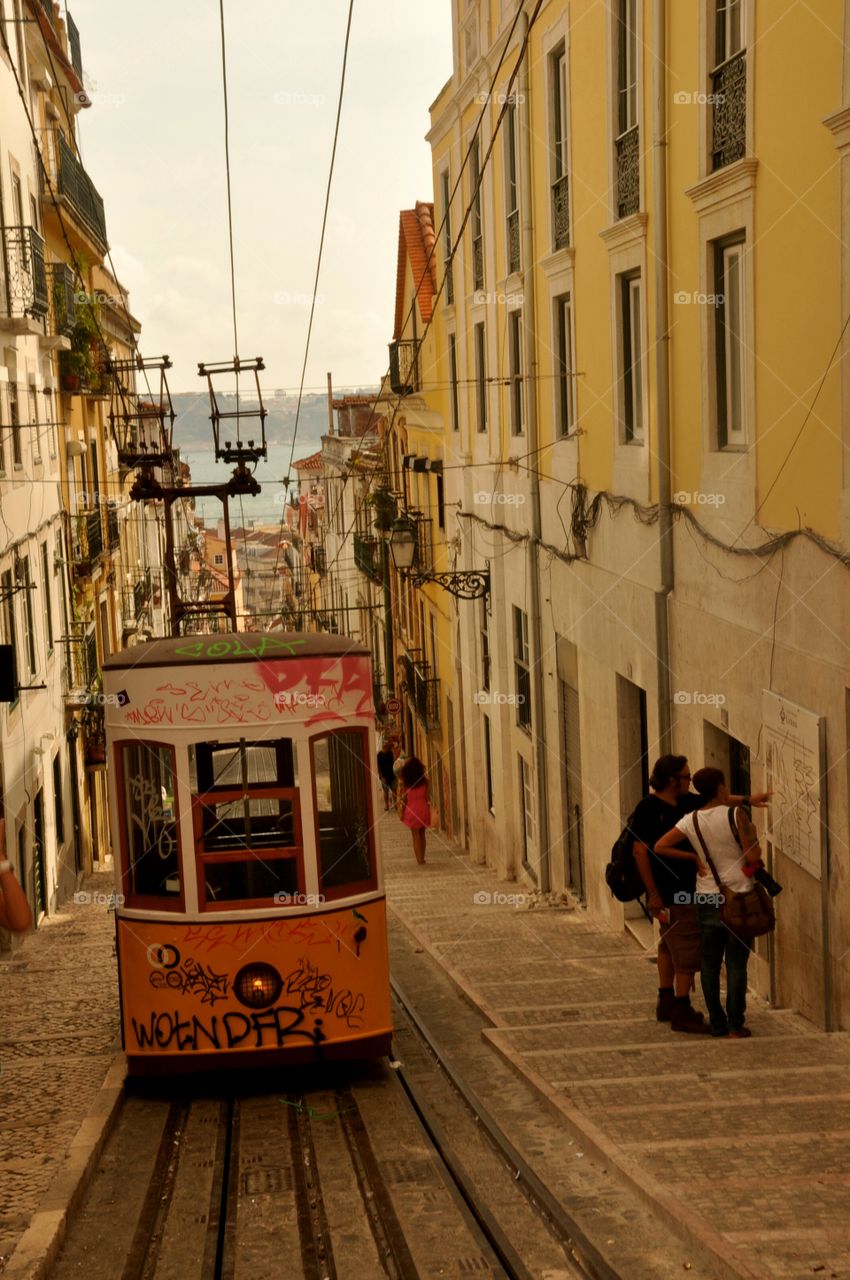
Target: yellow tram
[{"x": 251, "y": 918}]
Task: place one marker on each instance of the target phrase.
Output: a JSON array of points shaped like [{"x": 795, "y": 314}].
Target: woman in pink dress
[{"x": 416, "y": 811}]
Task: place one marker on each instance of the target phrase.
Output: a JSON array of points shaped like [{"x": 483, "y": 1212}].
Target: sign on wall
[{"x": 793, "y": 751}]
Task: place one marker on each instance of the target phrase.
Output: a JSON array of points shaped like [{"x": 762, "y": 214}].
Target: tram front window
[
  {"x": 342, "y": 781},
  {"x": 246, "y": 820},
  {"x": 150, "y": 820}
]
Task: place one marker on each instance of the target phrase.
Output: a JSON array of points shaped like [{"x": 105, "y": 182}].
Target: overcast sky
[{"x": 153, "y": 144}]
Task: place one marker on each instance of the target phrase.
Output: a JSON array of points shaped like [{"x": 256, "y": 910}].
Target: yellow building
[{"x": 645, "y": 434}]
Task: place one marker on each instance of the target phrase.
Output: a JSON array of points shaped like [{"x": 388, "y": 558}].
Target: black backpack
[{"x": 621, "y": 874}]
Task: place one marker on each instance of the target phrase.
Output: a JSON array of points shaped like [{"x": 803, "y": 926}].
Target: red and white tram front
[{"x": 251, "y": 922}]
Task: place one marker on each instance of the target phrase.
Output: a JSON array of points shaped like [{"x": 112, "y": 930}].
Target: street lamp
[{"x": 469, "y": 584}]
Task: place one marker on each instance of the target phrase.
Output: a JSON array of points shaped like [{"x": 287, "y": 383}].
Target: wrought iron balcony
[
  {"x": 561, "y": 211},
  {"x": 369, "y": 557},
  {"x": 318, "y": 559},
  {"x": 74, "y": 187},
  {"x": 422, "y": 689},
  {"x": 113, "y": 528},
  {"x": 404, "y": 367},
  {"x": 61, "y": 294},
  {"x": 26, "y": 292},
  {"x": 135, "y": 599},
  {"x": 478, "y": 262},
  {"x": 513, "y": 241},
  {"x": 628, "y": 173},
  {"x": 729, "y": 119},
  {"x": 88, "y": 541}
]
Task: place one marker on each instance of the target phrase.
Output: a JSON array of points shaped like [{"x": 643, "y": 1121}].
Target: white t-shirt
[{"x": 724, "y": 849}]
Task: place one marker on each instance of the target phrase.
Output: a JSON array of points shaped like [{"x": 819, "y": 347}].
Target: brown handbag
[{"x": 748, "y": 915}]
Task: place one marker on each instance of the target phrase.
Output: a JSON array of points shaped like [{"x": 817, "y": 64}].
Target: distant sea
[{"x": 266, "y": 507}]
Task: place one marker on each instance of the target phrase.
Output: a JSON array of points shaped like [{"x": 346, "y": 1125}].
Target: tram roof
[{"x": 244, "y": 646}]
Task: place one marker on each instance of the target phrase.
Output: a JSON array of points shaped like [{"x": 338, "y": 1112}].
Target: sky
[{"x": 153, "y": 145}]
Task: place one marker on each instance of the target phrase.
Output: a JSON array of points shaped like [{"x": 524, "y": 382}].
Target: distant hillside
[{"x": 193, "y": 429}]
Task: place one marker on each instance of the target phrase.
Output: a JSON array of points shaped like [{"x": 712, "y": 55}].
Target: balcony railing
[
  {"x": 404, "y": 367},
  {"x": 561, "y": 211},
  {"x": 369, "y": 557},
  {"x": 61, "y": 295},
  {"x": 729, "y": 121},
  {"x": 422, "y": 689},
  {"x": 513, "y": 241},
  {"x": 88, "y": 540},
  {"x": 26, "y": 278},
  {"x": 628, "y": 173},
  {"x": 113, "y": 528},
  {"x": 73, "y": 184},
  {"x": 135, "y": 599}
]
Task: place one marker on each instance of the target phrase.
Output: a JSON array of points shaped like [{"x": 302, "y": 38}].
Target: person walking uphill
[
  {"x": 416, "y": 811},
  {"x": 730, "y": 841}
]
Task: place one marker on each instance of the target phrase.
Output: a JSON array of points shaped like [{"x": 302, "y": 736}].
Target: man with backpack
[{"x": 670, "y": 885}]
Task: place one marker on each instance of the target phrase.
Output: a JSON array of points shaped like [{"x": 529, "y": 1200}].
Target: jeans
[{"x": 718, "y": 942}]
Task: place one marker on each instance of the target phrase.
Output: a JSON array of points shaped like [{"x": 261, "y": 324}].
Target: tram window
[
  {"x": 341, "y": 779},
  {"x": 150, "y": 836},
  {"x": 246, "y": 820}
]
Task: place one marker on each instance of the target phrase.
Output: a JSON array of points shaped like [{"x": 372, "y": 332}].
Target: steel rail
[{"x": 585, "y": 1256}]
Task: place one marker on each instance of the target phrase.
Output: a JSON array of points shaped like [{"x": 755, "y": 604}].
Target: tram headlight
[{"x": 257, "y": 985}]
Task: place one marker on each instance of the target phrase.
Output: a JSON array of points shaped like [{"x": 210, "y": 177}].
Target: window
[
  {"x": 484, "y": 651},
  {"x": 58, "y": 801},
  {"x": 515, "y": 330},
  {"x": 150, "y": 827},
  {"x": 526, "y": 801},
  {"x": 627, "y": 65},
  {"x": 512, "y": 186},
  {"x": 445, "y": 187},
  {"x": 488, "y": 763},
  {"x": 632, "y": 349},
  {"x": 728, "y": 30},
  {"x": 33, "y": 412},
  {"x": 50, "y": 421},
  {"x": 522, "y": 669},
  {"x": 15, "y": 424},
  {"x": 48, "y": 602},
  {"x": 342, "y": 782},
  {"x": 453, "y": 377},
  {"x": 246, "y": 818},
  {"x": 729, "y": 344},
  {"x": 218, "y": 559},
  {"x": 628, "y": 140},
  {"x": 560, "y": 179},
  {"x": 564, "y": 363},
  {"x": 10, "y": 635},
  {"x": 26, "y": 580},
  {"x": 441, "y": 506},
  {"x": 480, "y": 378},
  {"x": 477, "y": 225}
]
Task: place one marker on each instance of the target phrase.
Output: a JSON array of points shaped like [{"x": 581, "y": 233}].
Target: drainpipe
[
  {"x": 660, "y": 250},
  {"x": 541, "y": 873}
]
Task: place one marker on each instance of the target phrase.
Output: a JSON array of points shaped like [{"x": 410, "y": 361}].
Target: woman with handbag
[
  {"x": 732, "y": 910},
  {"x": 416, "y": 811}
]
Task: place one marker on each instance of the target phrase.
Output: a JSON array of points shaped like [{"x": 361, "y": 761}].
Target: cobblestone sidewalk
[
  {"x": 572, "y": 1009},
  {"x": 59, "y": 1032}
]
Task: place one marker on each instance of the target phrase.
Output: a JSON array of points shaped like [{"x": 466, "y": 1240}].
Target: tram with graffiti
[{"x": 251, "y": 920}]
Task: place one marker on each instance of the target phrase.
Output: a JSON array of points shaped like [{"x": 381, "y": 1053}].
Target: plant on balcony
[
  {"x": 81, "y": 368},
  {"x": 384, "y": 508}
]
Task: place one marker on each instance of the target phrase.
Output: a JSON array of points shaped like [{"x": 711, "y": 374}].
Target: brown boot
[{"x": 686, "y": 1018}]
